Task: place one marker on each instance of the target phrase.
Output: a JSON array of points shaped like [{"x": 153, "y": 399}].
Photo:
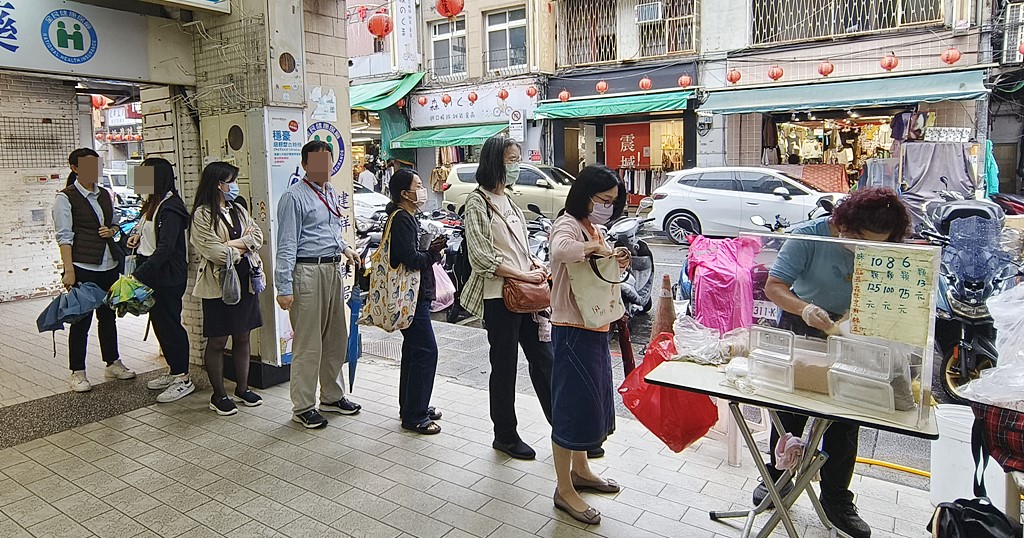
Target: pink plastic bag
[
  {"x": 444, "y": 290},
  {"x": 723, "y": 290}
]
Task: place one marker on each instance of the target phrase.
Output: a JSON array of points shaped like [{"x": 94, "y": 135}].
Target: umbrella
[
  {"x": 355, "y": 304},
  {"x": 129, "y": 296},
  {"x": 70, "y": 307}
]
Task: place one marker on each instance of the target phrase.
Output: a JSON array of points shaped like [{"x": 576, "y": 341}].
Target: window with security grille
[
  {"x": 1014, "y": 33},
  {"x": 506, "y": 39},
  {"x": 449, "y": 48},
  {"x": 604, "y": 31},
  {"x": 781, "y": 21}
]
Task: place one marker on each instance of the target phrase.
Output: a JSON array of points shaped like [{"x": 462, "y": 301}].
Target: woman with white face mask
[
  {"x": 497, "y": 246},
  {"x": 419, "y": 347}
]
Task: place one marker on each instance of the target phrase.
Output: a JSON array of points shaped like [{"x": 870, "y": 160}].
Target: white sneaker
[
  {"x": 117, "y": 370},
  {"x": 161, "y": 382},
  {"x": 177, "y": 390},
  {"x": 79, "y": 383}
]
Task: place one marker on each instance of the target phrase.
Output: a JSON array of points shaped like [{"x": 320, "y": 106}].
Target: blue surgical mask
[
  {"x": 602, "y": 213},
  {"x": 511, "y": 174},
  {"x": 232, "y": 192}
]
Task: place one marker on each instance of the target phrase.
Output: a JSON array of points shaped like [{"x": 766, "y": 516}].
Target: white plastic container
[
  {"x": 771, "y": 359},
  {"x": 952, "y": 466}
]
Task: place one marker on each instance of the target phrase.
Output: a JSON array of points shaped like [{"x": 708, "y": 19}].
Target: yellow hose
[{"x": 893, "y": 466}]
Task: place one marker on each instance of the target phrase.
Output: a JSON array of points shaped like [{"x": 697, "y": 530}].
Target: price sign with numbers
[{"x": 892, "y": 293}]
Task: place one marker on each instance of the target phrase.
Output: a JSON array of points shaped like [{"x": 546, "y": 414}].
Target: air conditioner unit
[
  {"x": 1013, "y": 35},
  {"x": 649, "y": 12}
]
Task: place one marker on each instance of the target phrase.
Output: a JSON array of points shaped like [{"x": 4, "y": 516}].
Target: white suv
[
  {"x": 720, "y": 201},
  {"x": 543, "y": 185}
]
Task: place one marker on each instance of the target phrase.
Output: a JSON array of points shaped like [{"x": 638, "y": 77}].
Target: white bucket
[{"x": 952, "y": 465}]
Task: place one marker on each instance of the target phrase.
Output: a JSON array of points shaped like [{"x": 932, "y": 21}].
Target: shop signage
[
  {"x": 325, "y": 104},
  {"x": 130, "y": 114},
  {"x": 535, "y": 156},
  {"x": 220, "y": 6},
  {"x": 488, "y": 108},
  {"x": 892, "y": 293},
  {"x": 327, "y": 132},
  {"x": 628, "y": 145},
  {"x": 405, "y": 57},
  {"x": 67, "y": 37},
  {"x": 517, "y": 126}
]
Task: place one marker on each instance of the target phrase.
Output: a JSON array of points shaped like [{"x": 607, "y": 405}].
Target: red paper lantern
[
  {"x": 890, "y": 62},
  {"x": 450, "y": 8},
  {"x": 118, "y": 137},
  {"x": 685, "y": 81},
  {"x": 951, "y": 56},
  {"x": 1020, "y": 48},
  {"x": 472, "y": 97},
  {"x": 422, "y": 100},
  {"x": 531, "y": 91},
  {"x": 775, "y": 72},
  {"x": 380, "y": 25},
  {"x": 110, "y": 137},
  {"x": 564, "y": 95},
  {"x": 601, "y": 86},
  {"x": 503, "y": 94},
  {"x": 98, "y": 101},
  {"x": 646, "y": 84},
  {"x": 99, "y": 136},
  {"x": 401, "y": 103},
  {"x": 826, "y": 68},
  {"x": 733, "y": 76},
  {"x": 446, "y": 99}
]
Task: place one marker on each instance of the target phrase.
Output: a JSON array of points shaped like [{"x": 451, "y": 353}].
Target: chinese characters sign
[
  {"x": 627, "y": 145},
  {"x": 488, "y": 108},
  {"x": 8, "y": 28},
  {"x": 892, "y": 293}
]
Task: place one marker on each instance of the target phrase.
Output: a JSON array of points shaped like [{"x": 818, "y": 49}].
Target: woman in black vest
[{"x": 165, "y": 269}]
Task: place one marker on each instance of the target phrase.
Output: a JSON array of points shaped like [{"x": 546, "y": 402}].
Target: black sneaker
[
  {"x": 761, "y": 492},
  {"x": 311, "y": 419},
  {"x": 223, "y": 405},
  {"x": 845, "y": 518},
  {"x": 248, "y": 398},
  {"x": 595, "y": 453},
  {"x": 518, "y": 450},
  {"x": 342, "y": 406}
]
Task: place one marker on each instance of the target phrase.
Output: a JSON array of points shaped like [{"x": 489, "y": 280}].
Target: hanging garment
[{"x": 929, "y": 167}]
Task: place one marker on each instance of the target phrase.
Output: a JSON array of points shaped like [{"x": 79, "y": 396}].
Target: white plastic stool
[{"x": 727, "y": 429}]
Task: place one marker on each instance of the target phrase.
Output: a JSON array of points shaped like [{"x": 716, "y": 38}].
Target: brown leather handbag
[{"x": 522, "y": 297}]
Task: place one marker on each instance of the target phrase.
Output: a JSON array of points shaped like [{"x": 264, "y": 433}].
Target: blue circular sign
[
  {"x": 326, "y": 132},
  {"x": 69, "y": 36}
]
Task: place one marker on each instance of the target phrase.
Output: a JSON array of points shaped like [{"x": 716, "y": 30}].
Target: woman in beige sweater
[
  {"x": 582, "y": 406},
  {"x": 223, "y": 232}
]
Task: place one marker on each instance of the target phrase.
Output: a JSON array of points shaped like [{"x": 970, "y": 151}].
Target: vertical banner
[
  {"x": 285, "y": 137},
  {"x": 627, "y": 145}
]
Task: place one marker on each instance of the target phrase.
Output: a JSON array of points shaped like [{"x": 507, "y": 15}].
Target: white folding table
[{"x": 823, "y": 411}]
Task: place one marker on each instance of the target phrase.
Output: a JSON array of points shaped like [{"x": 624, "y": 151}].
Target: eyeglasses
[{"x": 600, "y": 201}]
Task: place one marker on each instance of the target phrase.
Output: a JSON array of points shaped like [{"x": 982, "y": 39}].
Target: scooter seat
[{"x": 948, "y": 212}]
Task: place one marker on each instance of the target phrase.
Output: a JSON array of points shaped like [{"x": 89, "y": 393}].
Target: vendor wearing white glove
[{"x": 811, "y": 282}]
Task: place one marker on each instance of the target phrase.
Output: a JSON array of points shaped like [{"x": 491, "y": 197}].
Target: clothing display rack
[{"x": 641, "y": 181}]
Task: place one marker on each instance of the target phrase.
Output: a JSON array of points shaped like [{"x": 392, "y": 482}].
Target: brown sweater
[{"x": 88, "y": 246}]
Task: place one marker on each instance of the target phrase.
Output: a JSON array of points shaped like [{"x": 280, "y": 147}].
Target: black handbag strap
[
  {"x": 981, "y": 454},
  {"x": 597, "y": 271}
]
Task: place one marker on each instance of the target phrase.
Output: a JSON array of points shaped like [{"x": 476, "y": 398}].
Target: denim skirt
[{"x": 582, "y": 405}]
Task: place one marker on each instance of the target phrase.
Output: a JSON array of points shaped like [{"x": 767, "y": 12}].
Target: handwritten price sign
[{"x": 892, "y": 293}]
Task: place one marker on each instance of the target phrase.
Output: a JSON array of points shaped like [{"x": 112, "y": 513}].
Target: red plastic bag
[{"x": 677, "y": 417}]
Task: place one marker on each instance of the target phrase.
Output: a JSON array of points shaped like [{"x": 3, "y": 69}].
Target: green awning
[
  {"x": 447, "y": 136},
  {"x": 614, "y": 105},
  {"x": 381, "y": 95},
  {"x": 888, "y": 91}
]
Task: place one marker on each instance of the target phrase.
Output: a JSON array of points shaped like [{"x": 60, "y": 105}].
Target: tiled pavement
[{"x": 178, "y": 470}]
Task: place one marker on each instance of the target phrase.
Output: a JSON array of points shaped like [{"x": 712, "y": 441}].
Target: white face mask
[
  {"x": 420, "y": 198},
  {"x": 602, "y": 213}
]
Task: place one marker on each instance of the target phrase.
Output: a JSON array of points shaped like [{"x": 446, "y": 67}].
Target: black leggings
[{"x": 213, "y": 357}]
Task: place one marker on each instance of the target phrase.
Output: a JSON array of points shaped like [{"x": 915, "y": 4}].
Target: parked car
[
  {"x": 542, "y": 185},
  {"x": 116, "y": 181},
  {"x": 370, "y": 207},
  {"x": 720, "y": 201}
]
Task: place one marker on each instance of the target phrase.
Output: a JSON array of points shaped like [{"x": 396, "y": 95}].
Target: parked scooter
[
  {"x": 539, "y": 230},
  {"x": 638, "y": 287},
  {"x": 973, "y": 269}
]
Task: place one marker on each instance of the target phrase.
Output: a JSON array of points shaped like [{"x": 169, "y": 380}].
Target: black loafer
[
  {"x": 518, "y": 450},
  {"x": 595, "y": 453}
]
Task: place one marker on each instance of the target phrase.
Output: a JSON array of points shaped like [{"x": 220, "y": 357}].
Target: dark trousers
[
  {"x": 419, "y": 364},
  {"x": 506, "y": 332},
  {"x": 840, "y": 443},
  {"x": 166, "y": 319},
  {"x": 78, "y": 336}
]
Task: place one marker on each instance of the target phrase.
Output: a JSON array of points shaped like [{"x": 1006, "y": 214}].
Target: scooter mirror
[
  {"x": 450, "y": 207},
  {"x": 758, "y": 220},
  {"x": 534, "y": 208},
  {"x": 827, "y": 205}
]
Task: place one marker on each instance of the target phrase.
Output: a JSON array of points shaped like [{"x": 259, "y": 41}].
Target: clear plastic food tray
[
  {"x": 857, "y": 357},
  {"x": 861, "y": 391},
  {"x": 774, "y": 343},
  {"x": 771, "y": 374}
]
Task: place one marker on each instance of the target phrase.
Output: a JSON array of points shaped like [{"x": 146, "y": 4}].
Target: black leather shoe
[
  {"x": 761, "y": 492},
  {"x": 595, "y": 453},
  {"x": 845, "y": 517},
  {"x": 518, "y": 450}
]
